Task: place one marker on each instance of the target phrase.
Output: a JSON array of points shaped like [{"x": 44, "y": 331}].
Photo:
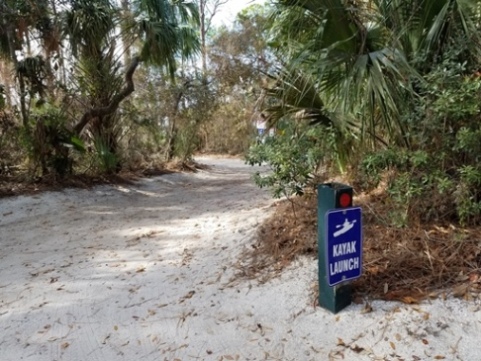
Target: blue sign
[{"x": 343, "y": 245}]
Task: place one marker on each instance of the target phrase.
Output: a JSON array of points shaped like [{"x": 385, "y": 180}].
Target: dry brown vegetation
[
  {"x": 405, "y": 264},
  {"x": 20, "y": 183}
]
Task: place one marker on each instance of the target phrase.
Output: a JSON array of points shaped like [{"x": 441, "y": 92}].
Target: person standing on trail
[
  {"x": 262, "y": 128},
  {"x": 261, "y": 125}
]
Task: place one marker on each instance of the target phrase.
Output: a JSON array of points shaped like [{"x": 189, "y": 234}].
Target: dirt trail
[{"x": 143, "y": 272}]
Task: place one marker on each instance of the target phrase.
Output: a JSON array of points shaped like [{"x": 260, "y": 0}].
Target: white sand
[{"x": 143, "y": 273}]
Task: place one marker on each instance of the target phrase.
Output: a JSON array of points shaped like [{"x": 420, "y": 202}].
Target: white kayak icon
[{"x": 346, "y": 226}]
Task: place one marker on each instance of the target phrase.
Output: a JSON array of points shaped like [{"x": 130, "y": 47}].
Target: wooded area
[
  {"x": 94, "y": 87},
  {"x": 384, "y": 95},
  {"x": 382, "y": 92}
]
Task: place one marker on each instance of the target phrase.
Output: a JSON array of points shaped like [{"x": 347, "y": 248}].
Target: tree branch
[{"x": 114, "y": 103}]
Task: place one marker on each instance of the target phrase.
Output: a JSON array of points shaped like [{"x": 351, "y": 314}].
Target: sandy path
[{"x": 142, "y": 273}]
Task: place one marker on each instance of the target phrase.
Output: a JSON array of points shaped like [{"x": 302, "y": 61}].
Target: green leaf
[{"x": 77, "y": 144}]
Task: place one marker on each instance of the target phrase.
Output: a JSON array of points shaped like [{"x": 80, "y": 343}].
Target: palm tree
[
  {"x": 165, "y": 29},
  {"x": 18, "y": 22},
  {"x": 366, "y": 56}
]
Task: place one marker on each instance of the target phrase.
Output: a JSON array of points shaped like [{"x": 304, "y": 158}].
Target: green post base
[{"x": 332, "y": 298}]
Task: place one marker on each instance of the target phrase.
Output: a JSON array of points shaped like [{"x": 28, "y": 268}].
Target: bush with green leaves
[
  {"x": 438, "y": 175},
  {"x": 420, "y": 188},
  {"x": 414, "y": 185},
  {"x": 51, "y": 142},
  {"x": 11, "y": 152},
  {"x": 105, "y": 159},
  {"x": 295, "y": 154}
]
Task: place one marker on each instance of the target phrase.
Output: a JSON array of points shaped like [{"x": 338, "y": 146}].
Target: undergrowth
[{"x": 404, "y": 264}]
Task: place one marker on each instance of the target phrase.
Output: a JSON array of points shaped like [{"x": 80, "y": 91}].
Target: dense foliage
[
  {"x": 294, "y": 154},
  {"x": 99, "y": 86},
  {"x": 386, "y": 92},
  {"x": 399, "y": 82}
]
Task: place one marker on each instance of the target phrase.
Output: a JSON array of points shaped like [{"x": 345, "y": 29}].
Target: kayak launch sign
[{"x": 344, "y": 245}]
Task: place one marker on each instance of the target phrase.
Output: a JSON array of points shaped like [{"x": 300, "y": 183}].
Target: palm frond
[
  {"x": 294, "y": 95},
  {"x": 168, "y": 30},
  {"x": 424, "y": 27},
  {"x": 89, "y": 25}
]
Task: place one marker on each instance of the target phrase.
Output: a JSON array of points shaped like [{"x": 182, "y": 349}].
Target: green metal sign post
[{"x": 331, "y": 196}]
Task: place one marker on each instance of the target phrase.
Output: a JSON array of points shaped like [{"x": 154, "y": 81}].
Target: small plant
[
  {"x": 10, "y": 141},
  {"x": 51, "y": 141},
  {"x": 294, "y": 154},
  {"x": 186, "y": 141},
  {"x": 106, "y": 159}
]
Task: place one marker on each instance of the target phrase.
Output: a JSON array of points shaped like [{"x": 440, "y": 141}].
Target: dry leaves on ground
[{"x": 405, "y": 264}]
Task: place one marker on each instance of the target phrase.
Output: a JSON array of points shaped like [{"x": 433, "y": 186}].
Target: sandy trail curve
[{"x": 144, "y": 272}]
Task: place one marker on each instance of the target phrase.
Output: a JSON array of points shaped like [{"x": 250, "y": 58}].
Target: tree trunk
[
  {"x": 203, "y": 31},
  {"x": 21, "y": 82},
  {"x": 23, "y": 105},
  {"x": 100, "y": 112},
  {"x": 7, "y": 83},
  {"x": 207, "y": 13},
  {"x": 126, "y": 14}
]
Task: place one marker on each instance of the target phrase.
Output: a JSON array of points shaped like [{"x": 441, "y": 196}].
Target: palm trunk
[
  {"x": 125, "y": 39},
  {"x": 5, "y": 76},
  {"x": 203, "y": 31},
  {"x": 21, "y": 83},
  {"x": 100, "y": 112}
]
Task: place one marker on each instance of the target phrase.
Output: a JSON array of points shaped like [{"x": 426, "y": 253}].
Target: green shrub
[
  {"x": 106, "y": 160},
  {"x": 51, "y": 142},
  {"x": 421, "y": 187},
  {"x": 295, "y": 154}
]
